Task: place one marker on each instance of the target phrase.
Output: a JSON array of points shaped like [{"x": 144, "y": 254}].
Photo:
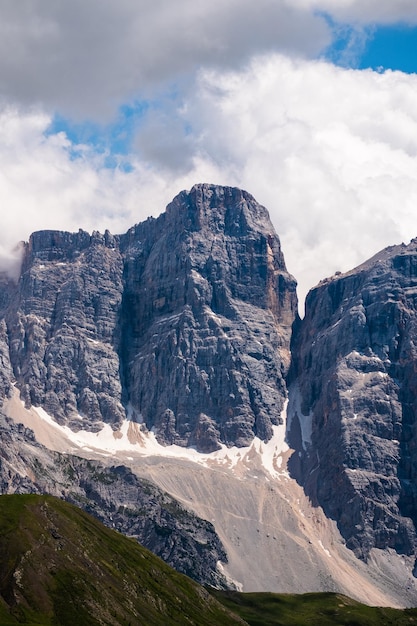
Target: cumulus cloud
[
  {"x": 86, "y": 58},
  {"x": 331, "y": 152},
  {"x": 46, "y": 182}
]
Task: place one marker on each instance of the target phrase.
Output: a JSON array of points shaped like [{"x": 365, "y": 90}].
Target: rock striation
[
  {"x": 187, "y": 324},
  {"x": 63, "y": 328},
  {"x": 353, "y": 401},
  {"x": 183, "y": 323}
]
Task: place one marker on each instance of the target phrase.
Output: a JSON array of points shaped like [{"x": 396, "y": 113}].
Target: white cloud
[
  {"x": 48, "y": 183},
  {"x": 331, "y": 152}
]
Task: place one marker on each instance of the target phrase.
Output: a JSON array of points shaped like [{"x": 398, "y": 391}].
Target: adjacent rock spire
[{"x": 354, "y": 389}]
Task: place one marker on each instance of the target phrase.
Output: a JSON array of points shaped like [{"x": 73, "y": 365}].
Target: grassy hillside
[
  {"x": 60, "y": 566},
  {"x": 311, "y": 609}
]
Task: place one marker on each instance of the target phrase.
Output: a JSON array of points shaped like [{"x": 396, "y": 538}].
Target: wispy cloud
[{"x": 364, "y": 11}]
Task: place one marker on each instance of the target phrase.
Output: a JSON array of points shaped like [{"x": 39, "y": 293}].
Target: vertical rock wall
[
  {"x": 207, "y": 313},
  {"x": 354, "y": 388}
]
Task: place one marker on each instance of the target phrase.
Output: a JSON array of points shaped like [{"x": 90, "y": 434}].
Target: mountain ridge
[
  {"x": 183, "y": 334},
  {"x": 355, "y": 376},
  {"x": 64, "y": 567}
]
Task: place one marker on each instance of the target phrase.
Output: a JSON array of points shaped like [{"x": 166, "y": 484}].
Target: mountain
[
  {"x": 171, "y": 360},
  {"x": 64, "y": 567},
  {"x": 183, "y": 323},
  {"x": 61, "y": 566},
  {"x": 208, "y": 310},
  {"x": 353, "y": 418}
]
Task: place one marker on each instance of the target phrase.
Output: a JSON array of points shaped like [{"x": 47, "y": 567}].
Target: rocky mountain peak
[
  {"x": 185, "y": 325},
  {"x": 209, "y": 308},
  {"x": 223, "y": 209},
  {"x": 185, "y": 320}
]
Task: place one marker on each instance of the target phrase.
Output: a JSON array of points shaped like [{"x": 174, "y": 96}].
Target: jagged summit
[{"x": 184, "y": 321}]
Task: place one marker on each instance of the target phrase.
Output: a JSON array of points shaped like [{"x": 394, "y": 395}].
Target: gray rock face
[
  {"x": 208, "y": 308},
  {"x": 63, "y": 328},
  {"x": 354, "y": 388},
  {"x": 184, "y": 323},
  {"x": 185, "y": 320},
  {"x": 118, "y": 498}
]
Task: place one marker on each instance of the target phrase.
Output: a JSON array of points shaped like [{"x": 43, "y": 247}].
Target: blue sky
[
  {"x": 391, "y": 48},
  {"x": 379, "y": 47},
  {"x": 107, "y": 110}
]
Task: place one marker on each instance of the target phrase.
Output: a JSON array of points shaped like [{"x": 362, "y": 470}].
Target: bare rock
[
  {"x": 184, "y": 321},
  {"x": 118, "y": 498},
  {"x": 208, "y": 310},
  {"x": 64, "y": 328},
  {"x": 354, "y": 373}
]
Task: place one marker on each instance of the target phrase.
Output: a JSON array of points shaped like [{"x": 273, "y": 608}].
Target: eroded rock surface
[
  {"x": 63, "y": 326},
  {"x": 354, "y": 400},
  {"x": 208, "y": 309}
]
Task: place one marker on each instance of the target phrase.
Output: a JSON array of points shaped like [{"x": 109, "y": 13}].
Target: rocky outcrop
[
  {"x": 118, "y": 498},
  {"x": 184, "y": 323},
  {"x": 353, "y": 401}
]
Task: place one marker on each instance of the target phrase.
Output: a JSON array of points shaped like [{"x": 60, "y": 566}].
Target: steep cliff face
[
  {"x": 63, "y": 326},
  {"x": 207, "y": 310},
  {"x": 353, "y": 407},
  {"x": 184, "y": 323}
]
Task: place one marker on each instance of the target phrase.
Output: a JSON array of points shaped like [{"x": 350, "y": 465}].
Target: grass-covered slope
[
  {"x": 311, "y": 609},
  {"x": 60, "y": 566}
]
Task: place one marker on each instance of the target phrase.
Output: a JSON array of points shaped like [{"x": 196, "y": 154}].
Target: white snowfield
[
  {"x": 134, "y": 439},
  {"x": 274, "y": 538}
]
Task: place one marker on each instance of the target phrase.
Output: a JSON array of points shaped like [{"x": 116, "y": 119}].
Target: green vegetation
[
  {"x": 60, "y": 567},
  {"x": 311, "y": 609}
]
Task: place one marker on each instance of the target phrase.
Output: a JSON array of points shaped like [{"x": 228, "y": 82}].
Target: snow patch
[
  {"x": 134, "y": 438},
  {"x": 324, "y": 549},
  {"x": 235, "y": 584}
]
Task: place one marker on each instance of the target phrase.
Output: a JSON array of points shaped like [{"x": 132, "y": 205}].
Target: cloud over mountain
[{"x": 234, "y": 94}]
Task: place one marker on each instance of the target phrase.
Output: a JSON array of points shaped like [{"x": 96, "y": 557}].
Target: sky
[{"x": 108, "y": 110}]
